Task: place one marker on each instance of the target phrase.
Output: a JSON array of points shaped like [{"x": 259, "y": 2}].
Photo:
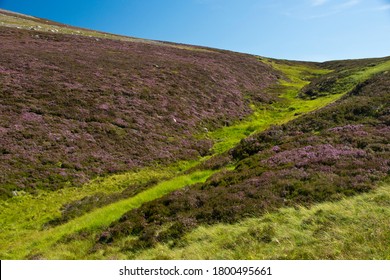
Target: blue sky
[{"x": 314, "y": 30}]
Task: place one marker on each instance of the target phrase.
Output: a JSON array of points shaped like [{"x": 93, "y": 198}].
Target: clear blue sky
[{"x": 293, "y": 29}]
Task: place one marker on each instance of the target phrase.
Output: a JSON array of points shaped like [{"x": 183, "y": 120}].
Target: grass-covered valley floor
[{"x": 136, "y": 149}]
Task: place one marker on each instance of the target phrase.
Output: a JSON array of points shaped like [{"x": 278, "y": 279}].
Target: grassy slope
[
  {"x": 25, "y": 214},
  {"x": 36, "y": 241},
  {"x": 353, "y": 228}
]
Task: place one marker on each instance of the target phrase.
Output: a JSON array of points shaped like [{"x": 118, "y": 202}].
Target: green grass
[
  {"x": 363, "y": 74},
  {"x": 288, "y": 108},
  {"x": 32, "y": 211},
  {"x": 366, "y": 73},
  {"x": 353, "y": 228},
  {"x": 39, "y": 242},
  {"x": 344, "y": 80},
  {"x": 26, "y": 214}
]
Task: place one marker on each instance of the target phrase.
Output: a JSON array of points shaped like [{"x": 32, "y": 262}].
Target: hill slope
[
  {"x": 75, "y": 107},
  {"x": 335, "y": 152},
  {"x": 122, "y": 147}
]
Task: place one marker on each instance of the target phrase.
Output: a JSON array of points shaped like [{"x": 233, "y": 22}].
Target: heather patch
[
  {"x": 74, "y": 108},
  {"x": 315, "y": 155}
]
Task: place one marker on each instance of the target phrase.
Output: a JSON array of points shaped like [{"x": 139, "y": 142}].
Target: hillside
[
  {"x": 114, "y": 147},
  {"x": 75, "y": 107},
  {"x": 335, "y": 152}
]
